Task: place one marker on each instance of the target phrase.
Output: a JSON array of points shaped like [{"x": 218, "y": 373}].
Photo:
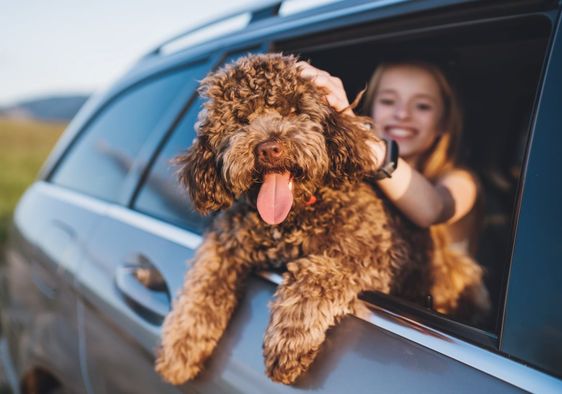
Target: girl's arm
[{"x": 424, "y": 203}]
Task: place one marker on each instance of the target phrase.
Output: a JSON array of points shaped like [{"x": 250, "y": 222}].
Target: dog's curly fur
[{"x": 351, "y": 240}]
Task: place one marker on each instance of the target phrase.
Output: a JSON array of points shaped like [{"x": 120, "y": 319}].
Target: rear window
[
  {"x": 161, "y": 194},
  {"x": 98, "y": 163}
]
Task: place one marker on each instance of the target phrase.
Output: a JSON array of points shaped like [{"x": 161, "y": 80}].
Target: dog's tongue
[{"x": 275, "y": 198}]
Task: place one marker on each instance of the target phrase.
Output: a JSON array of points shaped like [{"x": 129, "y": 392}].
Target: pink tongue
[{"x": 275, "y": 198}]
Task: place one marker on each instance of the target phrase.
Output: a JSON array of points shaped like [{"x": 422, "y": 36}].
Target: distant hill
[{"x": 52, "y": 108}]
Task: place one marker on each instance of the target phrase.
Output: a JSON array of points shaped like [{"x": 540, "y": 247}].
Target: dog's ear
[
  {"x": 199, "y": 174},
  {"x": 347, "y": 139}
]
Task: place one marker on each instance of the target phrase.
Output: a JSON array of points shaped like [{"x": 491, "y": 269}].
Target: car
[{"x": 107, "y": 207}]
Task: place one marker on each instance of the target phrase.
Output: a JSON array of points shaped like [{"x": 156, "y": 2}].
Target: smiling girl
[{"x": 413, "y": 104}]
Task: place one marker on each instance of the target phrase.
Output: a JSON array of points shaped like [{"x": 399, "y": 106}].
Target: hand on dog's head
[{"x": 262, "y": 118}]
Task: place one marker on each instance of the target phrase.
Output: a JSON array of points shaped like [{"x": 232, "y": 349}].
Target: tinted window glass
[
  {"x": 100, "y": 161},
  {"x": 161, "y": 195}
]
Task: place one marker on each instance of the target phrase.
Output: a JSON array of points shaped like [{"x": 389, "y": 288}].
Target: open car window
[{"x": 495, "y": 66}]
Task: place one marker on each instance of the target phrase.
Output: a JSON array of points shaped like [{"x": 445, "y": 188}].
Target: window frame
[
  {"x": 411, "y": 26},
  {"x": 154, "y": 136}
]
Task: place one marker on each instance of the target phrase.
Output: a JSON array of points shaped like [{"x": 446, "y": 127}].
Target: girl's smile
[{"x": 399, "y": 133}]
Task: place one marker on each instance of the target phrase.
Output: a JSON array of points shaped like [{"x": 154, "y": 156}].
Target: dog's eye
[
  {"x": 241, "y": 116},
  {"x": 243, "y": 120}
]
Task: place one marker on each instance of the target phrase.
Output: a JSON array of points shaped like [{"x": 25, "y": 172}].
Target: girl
[{"x": 413, "y": 104}]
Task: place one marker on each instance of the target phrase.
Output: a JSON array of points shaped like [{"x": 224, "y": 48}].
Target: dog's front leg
[
  {"x": 200, "y": 313},
  {"x": 315, "y": 293}
]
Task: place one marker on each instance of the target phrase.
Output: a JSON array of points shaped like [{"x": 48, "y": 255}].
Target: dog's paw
[
  {"x": 286, "y": 364},
  {"x": 176, "y": 369},
  {"x": 287, "y": 368}
]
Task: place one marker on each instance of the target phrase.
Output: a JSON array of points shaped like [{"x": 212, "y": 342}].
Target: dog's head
[{"x": 270, "y": 134}]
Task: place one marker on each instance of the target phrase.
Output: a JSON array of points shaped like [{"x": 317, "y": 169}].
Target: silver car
[{"x": 76, "y": 318}]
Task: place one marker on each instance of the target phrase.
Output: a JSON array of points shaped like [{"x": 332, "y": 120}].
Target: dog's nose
[{"x": 269, "y": 151}]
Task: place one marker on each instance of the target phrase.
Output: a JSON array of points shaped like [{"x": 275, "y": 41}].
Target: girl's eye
[
  {"x": 423, "y": 107},
  {"x": 386, "y": 101}
]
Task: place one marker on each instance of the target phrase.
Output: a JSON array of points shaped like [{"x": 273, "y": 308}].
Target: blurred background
[{"x": 55, "y": 54}]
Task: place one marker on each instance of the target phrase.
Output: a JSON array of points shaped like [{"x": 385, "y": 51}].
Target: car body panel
[
  {"x": 111, "y": 322},
  {"x": 42, "y": 262},
  {"x": 357, "y": 355},
  {"x": 533, "y": 318}
]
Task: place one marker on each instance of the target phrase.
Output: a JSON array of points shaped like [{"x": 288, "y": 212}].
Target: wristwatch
[{"x": 390, "y": 161}]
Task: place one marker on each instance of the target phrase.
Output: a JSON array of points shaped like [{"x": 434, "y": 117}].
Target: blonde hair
[{"x": 443, "y": 154}]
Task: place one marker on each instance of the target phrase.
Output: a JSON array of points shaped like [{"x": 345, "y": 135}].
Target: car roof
[{"x": 266, "y": 23}]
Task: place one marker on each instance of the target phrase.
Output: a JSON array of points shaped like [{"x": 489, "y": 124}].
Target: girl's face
[{"x": 408, "y": 108}]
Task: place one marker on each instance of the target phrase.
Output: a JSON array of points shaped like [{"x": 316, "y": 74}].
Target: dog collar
[{"x": 311, "y": 201}]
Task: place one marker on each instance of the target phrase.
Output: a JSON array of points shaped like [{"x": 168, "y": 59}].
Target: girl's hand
[
  {"x": 336, "y": 95},
  {"x": 337, "y": 98}
]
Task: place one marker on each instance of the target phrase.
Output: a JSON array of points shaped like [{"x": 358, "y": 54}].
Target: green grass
[{"x": 24, "y": 146}]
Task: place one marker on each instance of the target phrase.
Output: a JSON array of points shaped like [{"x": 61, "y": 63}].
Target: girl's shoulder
[{"x": 461, "y": 173}]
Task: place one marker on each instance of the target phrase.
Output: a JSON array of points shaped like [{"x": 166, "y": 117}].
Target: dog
[{"x": 287, "y": 173}]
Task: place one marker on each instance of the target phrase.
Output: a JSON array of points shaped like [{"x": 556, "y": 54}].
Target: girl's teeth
[{"x": 401, "y": 132}]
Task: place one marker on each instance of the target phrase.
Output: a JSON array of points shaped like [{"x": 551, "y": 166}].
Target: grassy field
[{"x": 24, "y": 146}]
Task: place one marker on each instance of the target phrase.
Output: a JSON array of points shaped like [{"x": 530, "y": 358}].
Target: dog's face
[{"x": 270, "y": 135}]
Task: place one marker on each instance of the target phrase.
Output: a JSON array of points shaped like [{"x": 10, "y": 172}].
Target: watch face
[{"x": 392, "y": 153}]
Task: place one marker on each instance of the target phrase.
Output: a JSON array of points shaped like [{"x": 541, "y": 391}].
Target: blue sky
[{"x": 69, "y": 46}]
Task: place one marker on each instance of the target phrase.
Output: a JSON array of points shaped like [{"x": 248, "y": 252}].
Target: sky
[{"x": 68, "y": 46}]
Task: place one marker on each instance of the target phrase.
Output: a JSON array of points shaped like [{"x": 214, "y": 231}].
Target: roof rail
[{"x": 261, "y": 10}]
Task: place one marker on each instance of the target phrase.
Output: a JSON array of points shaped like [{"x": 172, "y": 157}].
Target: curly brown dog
[{"x": 286, "y": 170}]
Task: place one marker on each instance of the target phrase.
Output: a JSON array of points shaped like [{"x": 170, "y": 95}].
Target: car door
[
  {"x": 51, "y": 225},
  {"x": 117, "y": 317}
]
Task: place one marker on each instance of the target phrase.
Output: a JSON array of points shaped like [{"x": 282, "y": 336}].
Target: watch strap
[{"x": 390, "y": 161}]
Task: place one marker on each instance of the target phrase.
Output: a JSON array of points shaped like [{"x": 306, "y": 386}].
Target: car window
[
  {"x": 100, "y": 160},
  {"x": 161, "y": 195},
  {"x": 495, "y": 68}
]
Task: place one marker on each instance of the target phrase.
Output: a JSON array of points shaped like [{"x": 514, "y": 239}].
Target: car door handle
[{"x": 144, "y": 289}]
